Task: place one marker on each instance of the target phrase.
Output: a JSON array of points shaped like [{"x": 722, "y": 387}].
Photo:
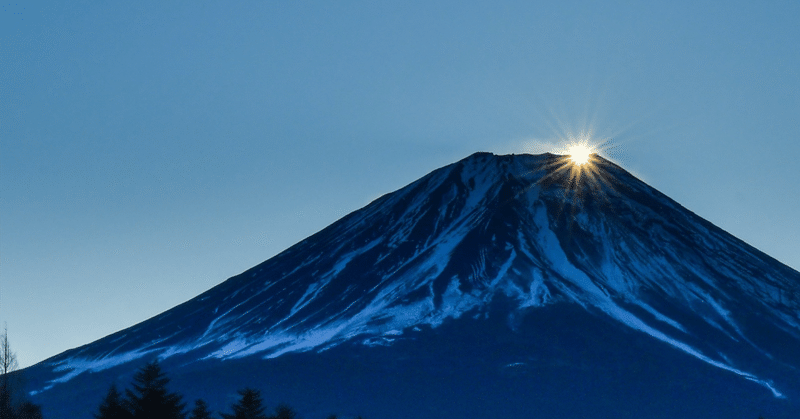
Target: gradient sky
[{"x": 150, "y": 150}]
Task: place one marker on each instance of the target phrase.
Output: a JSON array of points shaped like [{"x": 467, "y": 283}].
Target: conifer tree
[
  {"x": 284, "y": 412},
  {"x": 150, "y": 399},
  {"x": 200, "y": 410},
  {"x": 248, "y": 406},
  {"x": 29, "y": 410},
  {"x": 6, "y": 411},
  {"x": 113, "y": 406}
]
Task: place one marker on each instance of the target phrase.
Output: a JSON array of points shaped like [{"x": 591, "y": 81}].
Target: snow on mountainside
[{"x": 446, "y": 245}]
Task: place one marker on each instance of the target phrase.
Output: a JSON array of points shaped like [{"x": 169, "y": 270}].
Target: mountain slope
[{"x": 487, "y": 238}]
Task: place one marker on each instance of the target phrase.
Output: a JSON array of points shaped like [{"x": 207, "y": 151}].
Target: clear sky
[{"x": 149, "y": 150}]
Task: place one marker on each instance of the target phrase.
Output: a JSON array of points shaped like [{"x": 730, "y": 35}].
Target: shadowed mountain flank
[{"x": 510, "y": 284}]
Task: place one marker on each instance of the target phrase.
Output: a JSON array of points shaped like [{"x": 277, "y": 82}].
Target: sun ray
[{"x": 581, "y": 176}]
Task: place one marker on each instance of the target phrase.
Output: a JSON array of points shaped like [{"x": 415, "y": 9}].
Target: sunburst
[
  {"x": 580, "y": 172},
  {"x": 579, "y": 153}
]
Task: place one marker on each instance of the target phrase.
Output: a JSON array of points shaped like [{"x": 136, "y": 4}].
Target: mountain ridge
[{"x": 533, "y": 230}]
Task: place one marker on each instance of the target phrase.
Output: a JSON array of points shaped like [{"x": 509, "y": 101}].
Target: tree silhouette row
[{"x": 149, "y": 398}]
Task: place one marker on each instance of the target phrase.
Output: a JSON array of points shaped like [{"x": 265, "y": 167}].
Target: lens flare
[{"x": 576, "y": 172}]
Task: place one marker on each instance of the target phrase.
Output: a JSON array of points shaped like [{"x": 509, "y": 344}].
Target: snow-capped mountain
[{"x": 491, "y": 250}]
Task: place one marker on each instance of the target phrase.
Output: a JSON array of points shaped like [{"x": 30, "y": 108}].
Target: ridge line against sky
[{"x": 150, "y": 151}]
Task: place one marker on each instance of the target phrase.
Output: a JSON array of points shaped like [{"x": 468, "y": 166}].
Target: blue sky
[{"x": 151, "y": 150}]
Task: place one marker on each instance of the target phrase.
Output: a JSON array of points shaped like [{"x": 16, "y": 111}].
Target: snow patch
[
  {"x": 661, "y": 317},
  {"x": 538, "y": 295},
  {"x": 81, "y": 365}
]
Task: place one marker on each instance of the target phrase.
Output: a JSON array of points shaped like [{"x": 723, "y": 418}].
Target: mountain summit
[{"x": 496, "y": 284}]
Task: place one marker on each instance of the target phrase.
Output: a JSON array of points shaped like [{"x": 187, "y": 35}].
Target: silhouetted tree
[
  {"x": 200, "y": 410},
  {"x": 8, "y": 359},
  {"x": 284, "y": 412},
  {"x": 8, "y": 363},
  {"x": 113, "y": 406},
  {"x": 28, "y": 410},
  {"x": 150, "y": 399},
  {"x": 248, "y": 406},
  {"x": 12, "y": 404},
  {"x": 6, "y": 411}
]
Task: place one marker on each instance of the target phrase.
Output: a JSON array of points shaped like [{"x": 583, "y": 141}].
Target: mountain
[{"x": 497, "y": 286}]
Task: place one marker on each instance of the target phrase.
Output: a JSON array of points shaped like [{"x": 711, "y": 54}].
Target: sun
[
  {"x": 579, "y": 153},
  {"x": 576, "y": 174}
]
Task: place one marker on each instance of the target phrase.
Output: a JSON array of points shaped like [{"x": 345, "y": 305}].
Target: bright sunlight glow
[
  {"x": 579, "y": 153},
  {"x": 578, "y": 170}
]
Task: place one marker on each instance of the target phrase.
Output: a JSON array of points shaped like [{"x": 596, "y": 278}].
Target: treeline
[
  {"x": 13, "y": 404},
  {"x": 149, "y": 399},
  {"x": 15, "y": 409}
]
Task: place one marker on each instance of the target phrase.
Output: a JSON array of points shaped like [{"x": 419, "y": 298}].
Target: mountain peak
[{"x": 524, "y": 231}]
